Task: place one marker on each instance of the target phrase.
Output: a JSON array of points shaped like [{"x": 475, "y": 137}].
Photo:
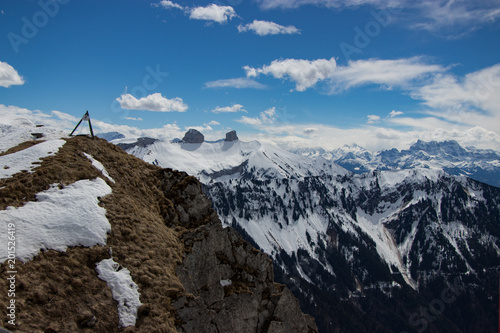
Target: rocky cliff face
[
  {"x": 229, "y": 284},
  {"x": 192, "y": 275}
]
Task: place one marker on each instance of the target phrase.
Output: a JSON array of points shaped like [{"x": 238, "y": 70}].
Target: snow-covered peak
[{"x": 449, "y": 156}]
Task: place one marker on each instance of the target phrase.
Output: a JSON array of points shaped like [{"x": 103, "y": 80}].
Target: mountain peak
[
  {"x": 231, "y": 136},
  {"x": 193, "y": 136}
]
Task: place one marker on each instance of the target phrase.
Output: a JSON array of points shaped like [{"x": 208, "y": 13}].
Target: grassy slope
[{"x": 58, "y": 291}]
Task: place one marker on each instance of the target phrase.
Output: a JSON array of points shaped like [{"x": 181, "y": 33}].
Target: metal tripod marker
[{"x": 85, "y": 117}]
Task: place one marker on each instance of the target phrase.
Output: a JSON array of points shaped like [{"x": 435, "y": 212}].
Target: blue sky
[{"x": 300, "y": 73}]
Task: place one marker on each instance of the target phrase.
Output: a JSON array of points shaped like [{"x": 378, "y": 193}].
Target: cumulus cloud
[
  {"x": 133, "y": 118},
  {"x": 153, "y": 102},
  {"x": 266, "y": 117},
  {"x": 169, "y": 4},
  {"x": 212, "y": 12},
  {"x": 238, "y": 83},
  {"x": 228, "y": 109},
  {"x": 264, "y": 28},
  {"x": 304, "y": 73},
  {"x": 9, "y": 76}
]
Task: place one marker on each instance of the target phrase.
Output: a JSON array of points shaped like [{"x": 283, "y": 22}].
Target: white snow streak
[
  {"x": 125, "y": 291},
  {"x": 98, "y": 165}
]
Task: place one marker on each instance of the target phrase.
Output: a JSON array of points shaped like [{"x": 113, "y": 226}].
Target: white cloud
[
  {"x": 266, "y": 117},
  {"x": 460, "y": 16},
  {"x": 432, "y": 13},
  {"x": 232, "y": 108},
  {"x": 372, "y": 119},
  {"x": 448, "y": 18},
  {"x": 264, "y": 28},
  {"x": 304, "y": 73},
  {"x": 238, "y": 83},
  {"x": 389, "y": 73},
  {"x": 169, "y": 5},
  {"x": 473, "y": 99},
  {"x": 395, "y": 113},
  {"x": 270, "y": 4},
  {"x": 9, "y": 76},
  {"x": 307, "y": 74},
  {"x": 133, "y": 118},
  {"x": 213, "y": 123},
  {"x": 212, "y": 12},
  {"x": 153, "y": 102}
]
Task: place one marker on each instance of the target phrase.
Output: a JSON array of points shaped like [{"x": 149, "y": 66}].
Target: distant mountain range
[
  {"x": 449, "y": 156},
  {"x": 411, "y": 248}
]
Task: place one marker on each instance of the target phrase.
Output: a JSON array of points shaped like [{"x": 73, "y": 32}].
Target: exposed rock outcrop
[
  {"x": 229, "y": 284},
  {"x": 193, "y": 136},
  {"x": 231, "y": 136}
]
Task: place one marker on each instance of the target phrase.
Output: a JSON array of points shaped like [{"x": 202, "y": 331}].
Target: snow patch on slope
[
  {"x": 25, "y": 159},
  {"x": 98, "y": 165},
  {"x": 60, "y": 218},
  {"x": 125, "y": 291}
]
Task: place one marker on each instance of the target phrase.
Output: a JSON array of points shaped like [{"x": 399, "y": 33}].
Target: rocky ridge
[{"x": 192, "y": 274}]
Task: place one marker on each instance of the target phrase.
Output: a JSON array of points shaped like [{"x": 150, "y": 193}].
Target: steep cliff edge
[{"x": 192, "y": 275}]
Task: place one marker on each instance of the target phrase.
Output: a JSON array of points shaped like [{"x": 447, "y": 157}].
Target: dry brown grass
[{"x": 59, "y": 290}]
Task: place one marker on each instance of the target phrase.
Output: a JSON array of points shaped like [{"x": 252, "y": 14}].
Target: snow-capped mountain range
[
  {"x": 338, "y": 235},
  {"x": 479, "y": 164}
]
